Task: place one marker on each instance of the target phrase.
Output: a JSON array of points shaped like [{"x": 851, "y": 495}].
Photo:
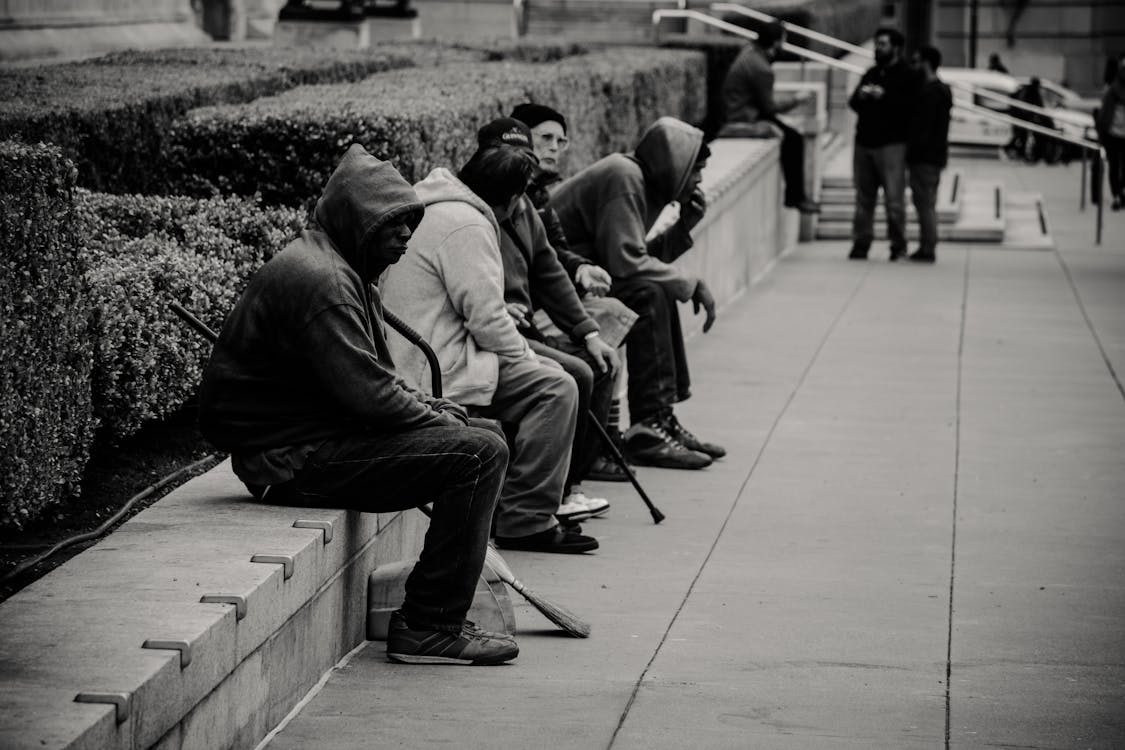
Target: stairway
[{"x": 970, "y": 209}]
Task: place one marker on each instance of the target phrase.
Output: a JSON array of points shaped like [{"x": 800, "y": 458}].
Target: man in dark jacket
[
  {"x": 883, "y": 100},
  {"x": 302, "y": 391},
  {"x": 927, "y": 151},
  {"x": 534, "y": 279},
  {"x": 606, "y": 211},
  {"x": 751, "y": 110}
]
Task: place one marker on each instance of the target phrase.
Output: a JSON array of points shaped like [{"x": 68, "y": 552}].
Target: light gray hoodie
[{"x": 450, "y": 288}]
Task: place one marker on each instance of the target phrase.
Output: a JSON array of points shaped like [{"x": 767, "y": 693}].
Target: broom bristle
[{"x": 562, "y": 617}]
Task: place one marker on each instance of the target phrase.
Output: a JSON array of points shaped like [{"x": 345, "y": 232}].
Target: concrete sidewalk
[{"x": 916, "y": 540}]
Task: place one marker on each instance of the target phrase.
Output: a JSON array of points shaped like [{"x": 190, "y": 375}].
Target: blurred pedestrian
[
  {"x": 927, "y": 149},
  {"x": 883, "y": 101},
  {"x": 995, "y": 64},
  {"x": 1110, "y": 125}
]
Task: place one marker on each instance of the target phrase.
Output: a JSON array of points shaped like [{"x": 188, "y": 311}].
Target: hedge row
[
  {"x": 141, "y": 252},
  {"x": 285, "y": 146},
  {"x": 46, "y": 425}
]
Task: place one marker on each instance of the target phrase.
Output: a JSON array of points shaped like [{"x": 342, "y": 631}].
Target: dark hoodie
[
  {"x": 607, "y": 209},
  {"x": 1113, "y": 98},
  {"x": 302, "y": 357}
]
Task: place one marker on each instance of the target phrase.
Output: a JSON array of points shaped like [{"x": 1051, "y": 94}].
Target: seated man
[
  {"x": 751, "y": 110},
  {"x": 606, "y": 211},
  {"x": 302, "y": 391},
  {"x": 450, "y": 287},
  {"x": 549, "y": 138},
  {"x": 535, "y": 279}
]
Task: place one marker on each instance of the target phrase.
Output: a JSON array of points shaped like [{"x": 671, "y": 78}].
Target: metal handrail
[
  {"x": 856, "y": 50},
  {"x": 659, "y": 15}
]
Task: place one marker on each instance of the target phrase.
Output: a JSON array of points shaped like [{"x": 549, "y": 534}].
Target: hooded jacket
[
  {"x": 302, "y": 356},
  {"x": 607, "y": 209},
  {"x": 886, "y": 120},
  {"x": 450, "y": 288}
]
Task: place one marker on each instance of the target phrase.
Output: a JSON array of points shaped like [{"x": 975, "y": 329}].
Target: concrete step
[
  {"x": 837, "y": 203},
  {"x": 1027, "y": 225}
]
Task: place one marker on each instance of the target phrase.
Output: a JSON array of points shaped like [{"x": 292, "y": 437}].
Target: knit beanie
[{"x": 533, "y": 114}]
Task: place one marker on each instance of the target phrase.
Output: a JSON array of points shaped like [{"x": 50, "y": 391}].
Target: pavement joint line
[
  {"x": 1089, "y": 323},
  {"x": 956, "y": 482},
  {"x": 734, "y": 504}
]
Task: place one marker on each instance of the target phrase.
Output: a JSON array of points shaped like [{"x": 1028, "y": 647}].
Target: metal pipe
[
  {"x": 1082, "y": 190},
  {"x": 1099, "y": 169}
]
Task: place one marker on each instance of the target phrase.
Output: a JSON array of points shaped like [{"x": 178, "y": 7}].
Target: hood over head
[
  {"x": 441, "y": 185},
  {"x": 363, "y": 194},
  {"x": 667, "y": 152}
]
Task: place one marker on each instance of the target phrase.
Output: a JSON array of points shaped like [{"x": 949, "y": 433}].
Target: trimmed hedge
[
  {"x": 139, "y": 254},
  {"x": 46, "y": 424},
  {"x": 285, "y": 146}
]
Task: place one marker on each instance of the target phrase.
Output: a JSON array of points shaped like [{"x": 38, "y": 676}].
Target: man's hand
[
  {"x": 604, "y": 355},
  {"x": 594, "y": 279},
  {"x": 692, "y": 210},
  {"x": 519, "y": 313},
  {"x": 451, "y": 408},
  {"x": 701, "y": 297}
]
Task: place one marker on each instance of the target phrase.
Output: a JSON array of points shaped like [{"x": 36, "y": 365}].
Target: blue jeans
[
  {"x": 873, "y": 168},
  {"x": 924, "y": 180},
  {"x": 458, "y": 469}
]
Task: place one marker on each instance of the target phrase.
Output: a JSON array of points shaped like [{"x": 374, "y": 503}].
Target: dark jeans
[
  {"x": 792, "y": 163},
  {"x": 595, "y": 394},
  {"x": 873, "y": 168},
  {"x": 924, "y": 180},
  {"x": 1115, "y": 163},
  {"x": 654, "y": 348},
  {"x": 459, "y": 469}
]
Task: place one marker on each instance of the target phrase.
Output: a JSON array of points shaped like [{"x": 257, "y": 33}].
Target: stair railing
[{"x": 1099, "y": 153}]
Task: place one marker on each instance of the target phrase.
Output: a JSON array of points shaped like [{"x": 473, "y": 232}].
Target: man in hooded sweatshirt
[
  {"x": 450, "y": 288},
  {"x": 534, "y": 279},
  {"x": 302, "y": 391},
  {"x": 606, "y": 212}
]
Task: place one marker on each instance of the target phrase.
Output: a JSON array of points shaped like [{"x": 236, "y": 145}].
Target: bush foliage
[
  {"x": 139, "y": 254},
  {"x": 285, "y": 146},
  {"x": 46, "y": 423}
]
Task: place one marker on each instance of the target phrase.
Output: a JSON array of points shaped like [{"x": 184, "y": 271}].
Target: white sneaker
[
  {"x": 572, "y": 510},
  {"x": 595, "y": 506}
]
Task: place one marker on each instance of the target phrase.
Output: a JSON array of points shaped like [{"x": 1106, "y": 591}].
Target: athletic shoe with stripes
[
  {"x": 595, "y": 506},
  {"x": 470, "y": 646}
]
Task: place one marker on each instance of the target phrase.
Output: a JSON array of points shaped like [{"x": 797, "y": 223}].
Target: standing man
[
  {"x": 302, "y": 391},
  {"x": 450, "y": 287},
  {"x": 751, "y": 110},
  {"x": 606, "y": 211},
  {"x": 883, "y": 101},
  {"x": 927, "y": 151}
]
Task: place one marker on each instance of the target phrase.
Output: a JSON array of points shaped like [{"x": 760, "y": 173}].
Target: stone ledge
[{"x": 81, "y": 628}]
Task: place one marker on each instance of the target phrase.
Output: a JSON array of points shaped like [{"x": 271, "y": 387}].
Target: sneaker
[
  {"x": 857, "y": 253},
  {"x": 551, "y": 540},
  {"x": 921, "y": 257},
  {"x": 470, "y": 646},
  {"x": 572, "y": 510},
  {"x": 595, "y": 506},
  {"x": 1116, "y": 204},
  {"x": 605, "y": 469},
  {"x": 690, "y": 441},
  {"x": 648, "y": 444},
  {"x": 897, "y": 255}
]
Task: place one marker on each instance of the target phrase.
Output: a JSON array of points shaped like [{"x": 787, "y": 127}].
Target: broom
[{"x": 553, "y": 612}]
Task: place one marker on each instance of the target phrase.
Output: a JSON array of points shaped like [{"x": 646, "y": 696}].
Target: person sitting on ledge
[
  {"x": 450, "y": 287},
  {"x": 302, "y": 390},
  {"x": 535, "y": 279},
  {"x": 606, "y": 211},
  {"x": 591, "y": 281}
]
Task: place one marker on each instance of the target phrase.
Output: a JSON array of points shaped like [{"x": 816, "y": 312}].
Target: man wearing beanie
[
  {"x": 535, "y": 279},
  {"x": 606, "y": 211},
  {"x": 549, "y": 137}
]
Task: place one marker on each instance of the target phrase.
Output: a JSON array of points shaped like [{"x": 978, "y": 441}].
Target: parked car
[{"x": 1070, "y": 112}]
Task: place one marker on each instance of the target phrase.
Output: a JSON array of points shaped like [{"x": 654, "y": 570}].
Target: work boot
[
  {"x": 469, "y": 646},
  {"x": 648, "y": 443},
  {"x": 690, "y": 441}
]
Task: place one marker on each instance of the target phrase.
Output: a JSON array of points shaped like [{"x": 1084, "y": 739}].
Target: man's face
[
  {"x": 884, "y": 50},
  {"x": 388, "y": 245},
  {"x": 693, "y": 181},
  {"x": 550, "y": 142}
]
